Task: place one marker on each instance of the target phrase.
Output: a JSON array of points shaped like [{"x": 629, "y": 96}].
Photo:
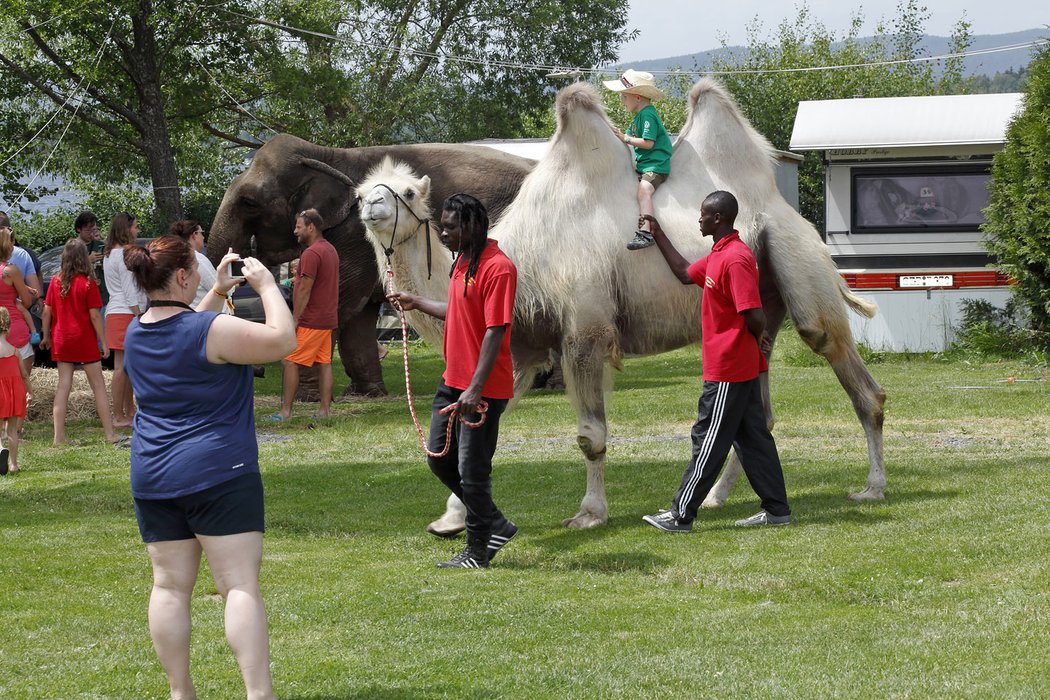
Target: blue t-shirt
[
  {"x": 195, "y": 424},
  {"x": 21, "y": 259}
]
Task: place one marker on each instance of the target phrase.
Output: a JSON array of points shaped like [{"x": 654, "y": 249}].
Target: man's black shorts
[{"x": 229, "y": 508}]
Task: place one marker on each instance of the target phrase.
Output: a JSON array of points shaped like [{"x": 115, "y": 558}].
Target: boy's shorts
[
  {"x": 654, "y": 179},
  {"x": 312, "y": 345},
  {"x": 229, "y": 508},
  {"x": 25, "y": 351}
]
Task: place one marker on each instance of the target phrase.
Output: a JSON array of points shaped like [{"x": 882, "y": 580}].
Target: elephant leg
[
  {"x": 719, "y": 493},
  {"x": 586, "y": 380},
  {"x": 868, "y": 401},
  {"x": 359, "y": 353},
  {"x": 453, "y": 521}
]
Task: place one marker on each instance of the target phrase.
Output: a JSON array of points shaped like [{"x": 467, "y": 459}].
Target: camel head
[{"x": 393, "y": 202}]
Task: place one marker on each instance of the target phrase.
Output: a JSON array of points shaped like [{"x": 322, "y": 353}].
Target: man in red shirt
[
  {"x": 478, "y": 371},
  {"x": 734, "y": 346},
  {"x": 315, "y": 309}
]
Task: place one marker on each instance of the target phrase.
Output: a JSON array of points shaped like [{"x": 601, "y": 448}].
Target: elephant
[{"x": 289, "y": 174}]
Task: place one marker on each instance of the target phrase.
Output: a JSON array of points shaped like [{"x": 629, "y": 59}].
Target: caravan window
[{"x": 905, "y": 199}]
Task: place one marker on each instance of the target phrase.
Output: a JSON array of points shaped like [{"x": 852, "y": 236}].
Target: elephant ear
[
  {"x": 335, "y": 205},
  {"x": 328, "y": 170}
]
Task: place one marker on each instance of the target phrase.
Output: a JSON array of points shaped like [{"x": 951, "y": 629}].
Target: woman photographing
[{"x": 194, "y": 458}]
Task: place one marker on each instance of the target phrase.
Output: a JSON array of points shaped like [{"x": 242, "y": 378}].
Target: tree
[
  {"x": 1018, "y": 210},
  {"x": 159, "y": 92},
  {"x": 768, "y": 84},
  {"x": 126, "y": 79}
]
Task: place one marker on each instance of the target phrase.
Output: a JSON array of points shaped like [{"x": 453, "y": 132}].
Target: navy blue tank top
[{"x": 195, "y": 424}]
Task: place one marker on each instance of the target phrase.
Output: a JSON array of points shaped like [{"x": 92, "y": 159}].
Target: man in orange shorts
[{"x": 315, "y": 304}]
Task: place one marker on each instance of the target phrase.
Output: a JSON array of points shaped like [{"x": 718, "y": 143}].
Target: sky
[{"x": 678, "y": 27}]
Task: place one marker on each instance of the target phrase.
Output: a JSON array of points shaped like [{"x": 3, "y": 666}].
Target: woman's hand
[
  {"x": 224, "y": 282},
  {"x": 257, "y": 275},
  {"x": 45, "y": 342}
]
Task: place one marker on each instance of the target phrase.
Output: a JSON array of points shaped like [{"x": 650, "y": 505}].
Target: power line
[
  {"x": 227, "y": 93},
  {"x": 36, "y": 175},
  {"x": 872, "y": 64},
  {"x": 48, "y": 20},
  {"x": 561, "y": 69}
]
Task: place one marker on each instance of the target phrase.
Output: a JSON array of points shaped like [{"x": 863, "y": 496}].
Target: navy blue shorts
[{"x": 229, "y": 508}]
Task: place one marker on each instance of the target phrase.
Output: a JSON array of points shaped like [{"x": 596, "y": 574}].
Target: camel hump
[{"x": 575, "y": 97}]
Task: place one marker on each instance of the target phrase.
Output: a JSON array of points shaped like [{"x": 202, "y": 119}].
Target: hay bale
[{"x": 81, "y": 401}]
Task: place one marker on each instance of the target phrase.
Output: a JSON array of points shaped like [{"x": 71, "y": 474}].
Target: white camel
[{"x": 582, "y": 293}]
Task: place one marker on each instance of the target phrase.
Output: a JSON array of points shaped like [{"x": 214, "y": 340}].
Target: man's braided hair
[{"x": 474, "y": 225}]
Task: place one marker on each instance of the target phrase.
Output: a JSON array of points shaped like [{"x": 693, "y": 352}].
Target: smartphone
[{"x": 237, "y": 268}]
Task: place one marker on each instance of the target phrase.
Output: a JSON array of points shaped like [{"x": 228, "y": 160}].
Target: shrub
[
  {"x": 989, "y": 331},
  {"x": 1019, "y": 201}
]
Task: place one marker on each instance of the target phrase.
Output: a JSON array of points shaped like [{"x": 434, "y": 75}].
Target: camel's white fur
[{"x": 581, "y": 292}]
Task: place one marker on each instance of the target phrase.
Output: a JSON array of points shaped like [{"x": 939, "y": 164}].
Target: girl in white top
[{"x": 126, "y": 301}]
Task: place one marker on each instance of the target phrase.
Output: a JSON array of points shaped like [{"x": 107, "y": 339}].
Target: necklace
[{"x": 169, "y": 302}]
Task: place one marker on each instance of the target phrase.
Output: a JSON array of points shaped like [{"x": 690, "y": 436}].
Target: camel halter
[
  {"x": 483, "y": 406},
  {"x": 425, "y": 223}
]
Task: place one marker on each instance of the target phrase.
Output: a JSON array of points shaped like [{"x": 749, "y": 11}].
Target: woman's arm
[
  {"x": 45, "y": 327},
  {"x": 216, "y": 297},
  {"x": 96, "y": 323},
  {"x": 237, "y": 341}
]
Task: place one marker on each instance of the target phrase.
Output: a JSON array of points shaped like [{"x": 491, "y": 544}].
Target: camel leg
[
  {"x": 868, "y": 400},
  {"x": 719, "y": 493},
  {"x": 586, "y": 377}
]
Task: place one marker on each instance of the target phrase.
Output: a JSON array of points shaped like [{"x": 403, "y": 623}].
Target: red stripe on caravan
[{"x": 891, "y": 280}]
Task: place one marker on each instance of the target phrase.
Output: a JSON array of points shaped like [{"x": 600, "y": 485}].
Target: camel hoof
[
  {"x": 446, "y": 528},
  {"x": 713, "y": 501},
  {"x": 868, "y": 494},
  {"x": 583, "y": 521}
]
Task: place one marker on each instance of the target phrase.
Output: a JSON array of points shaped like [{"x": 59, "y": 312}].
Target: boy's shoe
[
  {"x": 642, "y": 239},
  {"x": 34, "y": 339},
  {"x": 501, "y": 537},
  {"x": 465, "y": 560},
  {"x": 764, "y": 518},
  {"x": 665, "y": 520}
]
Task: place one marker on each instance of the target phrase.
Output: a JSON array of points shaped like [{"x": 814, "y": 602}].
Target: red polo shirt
[
  {"x": 489, "y": 302},
  {"x": 729, "y": 278}
]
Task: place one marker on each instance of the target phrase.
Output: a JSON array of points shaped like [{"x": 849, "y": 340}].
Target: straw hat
[{"x": 636, "y": 82}]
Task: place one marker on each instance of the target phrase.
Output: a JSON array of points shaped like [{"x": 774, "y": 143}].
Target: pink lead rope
[{"x": 451, "y": 408}]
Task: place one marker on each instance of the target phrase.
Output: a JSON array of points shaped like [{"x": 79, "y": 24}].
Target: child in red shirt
[
  {"x": 72, "y": 328},
  {"x": 734, "y": 344},
  {"x": 14, "y": 379},
  {"x": 478, "y": 370}
]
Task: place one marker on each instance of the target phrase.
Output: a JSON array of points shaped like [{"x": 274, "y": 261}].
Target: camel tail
[{"x": 862, "y": 307}]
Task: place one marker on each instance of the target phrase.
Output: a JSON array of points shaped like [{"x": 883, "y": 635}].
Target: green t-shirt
[{"x": 647, "y": 125}]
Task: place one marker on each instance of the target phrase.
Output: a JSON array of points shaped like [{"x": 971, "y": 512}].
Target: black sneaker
[
  {"x": 501, "y": 537},
  {"x": 764, "y": 518},
  {"x": 5, "y": 456},
  {"x": 665, "y": 520},
  {"x": 642, "y": 239},
  {"x": 465, "y": 560}
]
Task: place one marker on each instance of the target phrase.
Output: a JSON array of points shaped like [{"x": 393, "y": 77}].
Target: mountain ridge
[{"x": 931, "y": 45}]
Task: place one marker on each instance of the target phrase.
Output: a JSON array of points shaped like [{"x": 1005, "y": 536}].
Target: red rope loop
[{"x": 451, "y": 408}]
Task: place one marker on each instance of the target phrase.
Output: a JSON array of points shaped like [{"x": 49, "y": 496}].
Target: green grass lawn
[{"x": 941, "y": 590}]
